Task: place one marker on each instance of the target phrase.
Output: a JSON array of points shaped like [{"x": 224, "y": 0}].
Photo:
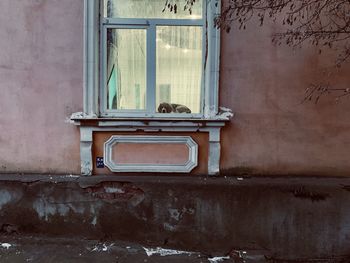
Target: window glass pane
[
  {"x": 179, "y": 69},
  {"x": 126, "y": 69},
  {"x": 149, "y": 9}
]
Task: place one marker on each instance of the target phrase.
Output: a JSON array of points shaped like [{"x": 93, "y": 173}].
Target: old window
[
  {"x": 152, "y": 59},
  {"x": 146, "y": 70},
  {"x": 151, "y": 62}
]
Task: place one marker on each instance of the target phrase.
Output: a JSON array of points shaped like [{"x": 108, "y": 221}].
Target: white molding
[
  {"x": 91, "y": 57},
  {"x": 212, "y": 63},
  {"x": 164, "y": 168},
  {"x": 86, "y": 162},
  {"x": 214, "y": 152},
  {"x": 212, "y": 128},
  {"x": 93, "y": 53},
  {"x": 210, "y": 120}
]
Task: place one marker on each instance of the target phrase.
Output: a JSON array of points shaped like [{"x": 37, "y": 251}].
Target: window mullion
[
  {"x": 151, "y": 68},
  {"x": 103, "y": 67}
]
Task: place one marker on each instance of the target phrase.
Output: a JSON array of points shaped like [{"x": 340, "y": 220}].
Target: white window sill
[
  {"x": 80, "y": 118},
  {"x": 88, "y": 124}
]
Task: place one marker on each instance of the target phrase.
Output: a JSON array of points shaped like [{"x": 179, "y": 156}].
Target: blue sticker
[{"x": 99, "y": 162}]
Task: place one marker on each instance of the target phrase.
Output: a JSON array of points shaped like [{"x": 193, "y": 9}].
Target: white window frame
[
  {"x": 95, "y": 56},
  {"x": 91, "y": 120}
]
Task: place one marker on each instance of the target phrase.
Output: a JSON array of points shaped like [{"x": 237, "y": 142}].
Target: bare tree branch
[{"x": 321, "y": 23}]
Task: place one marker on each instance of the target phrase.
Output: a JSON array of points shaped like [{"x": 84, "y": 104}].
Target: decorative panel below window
[{"x": 177, "y": 154}]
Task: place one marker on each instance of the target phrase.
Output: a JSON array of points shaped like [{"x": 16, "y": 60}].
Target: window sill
[
  {"x": 89, "y": 124},
  {"x": 217, "y": 120}
]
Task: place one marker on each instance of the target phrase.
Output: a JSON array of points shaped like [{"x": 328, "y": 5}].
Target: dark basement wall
[{"x": 288, "y": 218}]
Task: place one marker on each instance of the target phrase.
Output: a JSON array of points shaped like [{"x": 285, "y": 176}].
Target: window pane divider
[
  {"x": 151, "y": 69},
  {"x": 154, "y": 21},
  {"x": 103, "y": 65}
]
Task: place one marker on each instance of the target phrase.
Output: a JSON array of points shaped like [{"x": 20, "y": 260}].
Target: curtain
[{"x": 178, "y": 58}]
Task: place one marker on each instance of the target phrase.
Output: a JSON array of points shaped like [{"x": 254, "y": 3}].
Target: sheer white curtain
[
  {"x": 179, "y": 65},
  {"x": 178, "y": 57},
  {"x": 127, "y": 69}
]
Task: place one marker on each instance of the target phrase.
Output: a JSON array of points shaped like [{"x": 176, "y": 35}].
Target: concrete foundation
[{"x": 289, "y": 218}]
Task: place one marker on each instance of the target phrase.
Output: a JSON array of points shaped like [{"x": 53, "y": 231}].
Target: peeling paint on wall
[
  {"x": 117, "y": 192},
  {"x": 7, "y": 196},
  {"x": 46, "y": 209}
]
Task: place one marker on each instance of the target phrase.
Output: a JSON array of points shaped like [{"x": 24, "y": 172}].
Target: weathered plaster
[
  {"x": 41, "y": 72},
  {"x": 7, "y": 196},
  {"x": 272, "y": 132},
  {"x": 287, "y": 218}
]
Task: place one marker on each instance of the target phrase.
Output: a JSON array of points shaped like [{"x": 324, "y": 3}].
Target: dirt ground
[{"x": 58, "y": 250}]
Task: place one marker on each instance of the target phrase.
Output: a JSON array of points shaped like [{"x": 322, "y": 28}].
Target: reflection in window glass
[
  {"x": 179, "y": 66},
  {"x": 149, "y": 9},
  {"x": 126, "y": 69}
]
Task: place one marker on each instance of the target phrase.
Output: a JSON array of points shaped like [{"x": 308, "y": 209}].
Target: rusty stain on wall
[{"x": 117, "y": 192}]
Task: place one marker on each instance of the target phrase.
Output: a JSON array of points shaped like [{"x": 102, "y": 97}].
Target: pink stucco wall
[
  {"x": 41, "y": 63},
  {"x": 41, "y": 71},
  {"x": 272, "y": 132}
]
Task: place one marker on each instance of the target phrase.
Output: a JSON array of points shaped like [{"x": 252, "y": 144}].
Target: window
[
  {"x": 146, "y": 70},
  {"x": 150, "y": 62},
  {"x": 149, "y": 53}
]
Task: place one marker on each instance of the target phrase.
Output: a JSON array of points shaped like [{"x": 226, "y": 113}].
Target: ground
[
  {"x": 57, "y": 250},
  {"x": 42, "y": 249}
]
